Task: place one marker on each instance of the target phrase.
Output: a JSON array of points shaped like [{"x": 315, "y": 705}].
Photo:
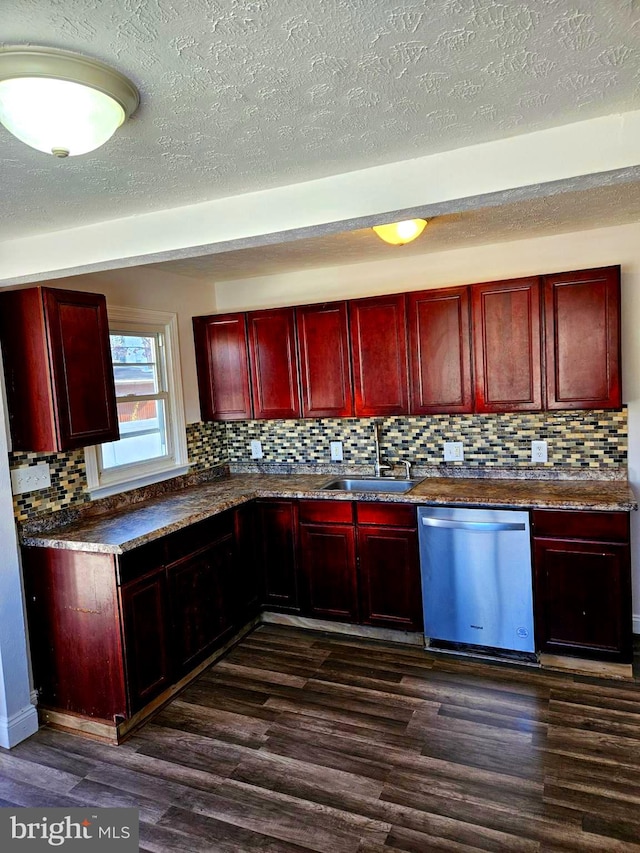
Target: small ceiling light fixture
[
  {"x": 62, "y": 103},
  {"x": 399, "y": 233}
]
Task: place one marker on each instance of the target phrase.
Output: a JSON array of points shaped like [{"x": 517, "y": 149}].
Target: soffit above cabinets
[{"x": 599, "y": 207}]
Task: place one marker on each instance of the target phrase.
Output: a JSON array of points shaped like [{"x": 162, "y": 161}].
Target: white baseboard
[{"x": 18, "y": 726}]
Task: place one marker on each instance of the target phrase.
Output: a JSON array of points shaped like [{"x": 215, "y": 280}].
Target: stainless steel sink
[{"x": 370, "y": 484}]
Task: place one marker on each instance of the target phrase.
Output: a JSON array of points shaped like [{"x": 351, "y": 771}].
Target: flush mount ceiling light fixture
[
  {"x": 62, "y": 103},
  {"x": 399, "y": 233}
]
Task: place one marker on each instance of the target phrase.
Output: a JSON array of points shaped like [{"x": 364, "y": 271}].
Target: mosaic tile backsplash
[
  {"x": 206, "y": 445},
  {"x": 584, "y": 440}
]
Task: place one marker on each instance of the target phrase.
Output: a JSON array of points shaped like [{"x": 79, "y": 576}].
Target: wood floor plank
[
  {"x": 438, "y": 830},
  {"x": 12, "y": 766},
  {"x": 253, "y": 673},
  {"x": 289, "y": 723},
  {"x": 349, "y": 712},
  {"x": 368, "y": 768},
  {"x": 185, "y": 830},
  {"x": 280, "y": 816},
  {"x": 300, "y": 741},
  {"x": 376, "y": 697},
  {"x": 290, "y": 776},
  {"x": 518, "y": 820},
  {"x": 474, "y": 751},
  {"x": 594, "y": 719},
  {"x": 232, "y": 728},
  {"x": 622, "y": 830}
]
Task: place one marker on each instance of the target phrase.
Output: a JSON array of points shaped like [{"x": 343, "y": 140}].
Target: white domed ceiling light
[
  {"x": 62, "y": 103},
  {"x": 399, "y": 233}
]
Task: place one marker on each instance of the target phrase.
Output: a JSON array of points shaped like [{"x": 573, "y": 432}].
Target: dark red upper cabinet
[
  {"x": 222, "y": 360},
  {"x": 582, "y": 324},
  {"x": 325, "y": 374},
  {"x": 506, "y": 343},
  {"x": 274, "y": 373},
  {"x": 379, "y": 351},
  {"x": 57, "y": 361},
  {"x": 440, "y": 351}
]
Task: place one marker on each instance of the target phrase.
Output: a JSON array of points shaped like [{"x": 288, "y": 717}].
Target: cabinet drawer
[
  {"x": 392, "y": 515},
  {"x": 571, "y": 524},
  {"x": 138, "y": 562},
  {"x": 326, "y": 511},
  {"x": 198, "y": 536}
]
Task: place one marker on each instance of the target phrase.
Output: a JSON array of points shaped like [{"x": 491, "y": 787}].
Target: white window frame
[{"x": 132, "y": 476}]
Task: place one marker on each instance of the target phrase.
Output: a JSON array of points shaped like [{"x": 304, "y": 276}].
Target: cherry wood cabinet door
[
  {"x": 81, "y": 367},
  {"x": 327, "y": 560},
  {"x": 277, "y": 546},
  {"x": 274, "y": 365},
  {"x": 328, "y": 571},
  {"x": 201, "y": 598},
  {"x": 583, "y": 598},
  {"x": 379, "y": 353},
  {"x": 59, "y": 374},
  {"x": 222, "y": 361},
  {"x": 389, "y": 574},
  {"x": 506, "y": 343},
  {"x": 582, "y": 324},
  {"x": 247, "y": 575},
  {"x": 325, "y": 372},
  {"x": 149, "y": 662},
  {"x": 440, "y": 351}
]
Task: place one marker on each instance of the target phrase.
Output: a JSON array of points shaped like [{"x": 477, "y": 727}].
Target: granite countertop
[{"x": 135, "y": 524}]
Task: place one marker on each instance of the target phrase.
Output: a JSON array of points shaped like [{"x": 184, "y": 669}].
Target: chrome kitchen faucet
[{"x": 379, "y": 465}]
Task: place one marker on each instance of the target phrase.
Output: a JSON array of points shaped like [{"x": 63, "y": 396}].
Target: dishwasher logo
[
  {"x": 523, "y": 633},
  {"x": 477, "y": 627}
]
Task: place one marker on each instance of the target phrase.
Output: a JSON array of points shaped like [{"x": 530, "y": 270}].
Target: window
[{"x": 152, "y": 444}]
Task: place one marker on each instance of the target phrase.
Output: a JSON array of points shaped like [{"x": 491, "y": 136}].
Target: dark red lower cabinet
[
  {"x": 202, "y": 601},
  {"x": 329, "y": 571},
  {"x": 277, "y": 527},
  {"x": 247, "y": 577},
  {"x": 146, "y": 631},
  {"x": 390, "y": 589},
  {"x": 583, "y": 584},
  {"x": 359, "y": 563}
]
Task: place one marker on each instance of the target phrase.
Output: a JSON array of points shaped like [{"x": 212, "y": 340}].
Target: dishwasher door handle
[{"x": 479, "y": 526}]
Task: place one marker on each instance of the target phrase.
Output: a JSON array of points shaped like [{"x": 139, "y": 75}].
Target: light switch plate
[
  {"x": 538, "y": 451},
  {"x": 453, "y": 451},
  {"x": 30, "y": 478},
  {"x": 336, "y": 451},
  {"x": 256, "y": 449}
]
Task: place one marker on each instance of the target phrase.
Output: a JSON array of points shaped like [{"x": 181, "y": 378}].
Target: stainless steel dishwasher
[{"x": 476, "y": 577}]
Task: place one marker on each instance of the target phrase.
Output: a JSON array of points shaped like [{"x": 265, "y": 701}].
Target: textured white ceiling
[
  {"x": 239, "y": 95},
  {"x": 563, "y": 212}
]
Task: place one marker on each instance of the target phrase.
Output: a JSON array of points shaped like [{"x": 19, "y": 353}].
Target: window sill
[{"x": 137, "y": 482}]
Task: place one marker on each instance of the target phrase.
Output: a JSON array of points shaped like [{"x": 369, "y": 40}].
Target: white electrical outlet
[
  {"x": 336, "y": 451},
  {"x": 538, "y": 451},
  {"x": 256, "y": 449},
  {"x": 453, "y": 451},
  {"x": 30, "y": 478}
]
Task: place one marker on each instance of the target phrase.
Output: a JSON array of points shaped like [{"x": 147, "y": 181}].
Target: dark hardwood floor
[{"x": 298, "y": 741}]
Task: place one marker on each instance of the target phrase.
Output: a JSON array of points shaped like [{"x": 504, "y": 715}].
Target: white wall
[
  {"x": 581, "y": 250},
  {"x": 161, "y": 291},
  {"x": 18, "y": 716}
]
